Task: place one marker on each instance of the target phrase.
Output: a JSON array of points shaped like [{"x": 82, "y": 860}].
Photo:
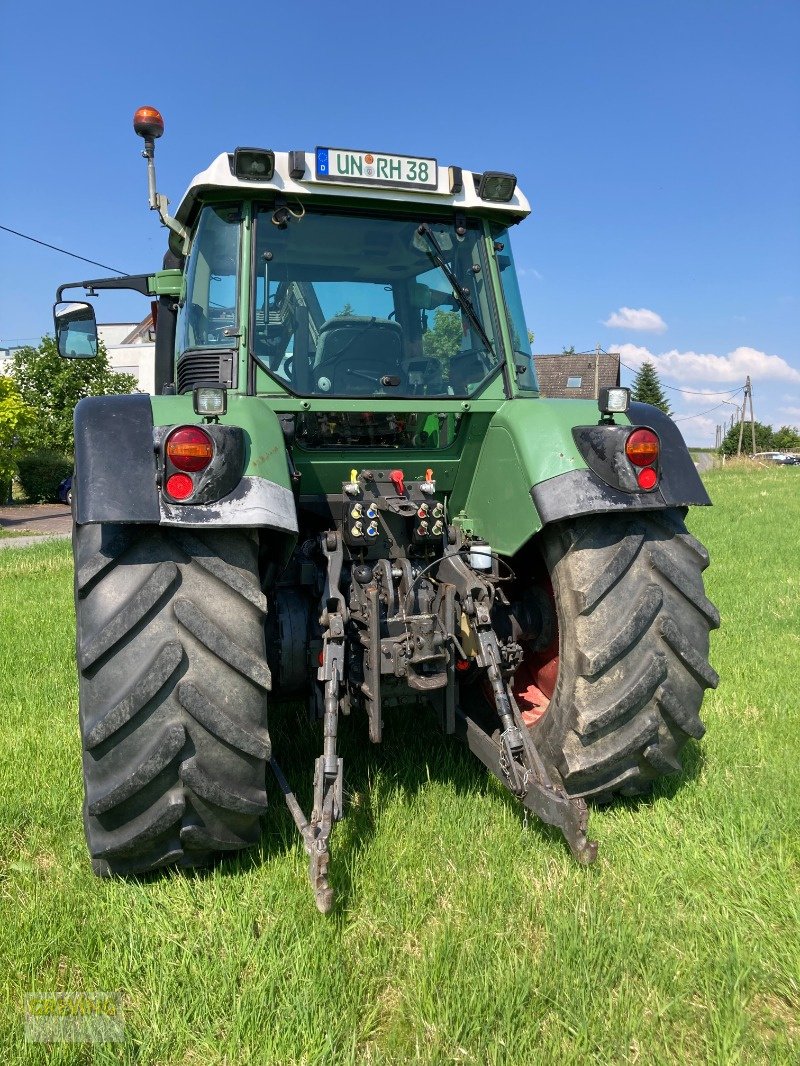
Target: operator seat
[{"x": 354, "y": 352}]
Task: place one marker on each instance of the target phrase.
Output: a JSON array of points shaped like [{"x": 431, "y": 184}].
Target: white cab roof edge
[{"x": 219, "y": 176}]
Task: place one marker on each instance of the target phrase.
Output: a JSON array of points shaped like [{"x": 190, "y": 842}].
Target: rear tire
[
  {"x": 173, "y": 682},
  {"x": 634, "y": 626}
]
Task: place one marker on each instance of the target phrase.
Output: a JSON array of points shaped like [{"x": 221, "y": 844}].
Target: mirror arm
[{"x": 136, "y": 282}]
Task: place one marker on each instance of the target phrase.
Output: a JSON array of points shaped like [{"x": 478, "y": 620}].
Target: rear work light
[
  {"x": 189, "y": 448},
  {"x": 641, "y": 447},
  {"x": 254, "y": 164},
  {"x": 497, "y": 186}
]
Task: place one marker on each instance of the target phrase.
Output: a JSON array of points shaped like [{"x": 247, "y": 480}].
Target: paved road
[{"x": 51, "y": 520}]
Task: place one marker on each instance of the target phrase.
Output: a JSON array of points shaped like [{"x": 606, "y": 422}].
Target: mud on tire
[
  {"x": 173, "y": 682},
  {"x": 634, "y": 626}
]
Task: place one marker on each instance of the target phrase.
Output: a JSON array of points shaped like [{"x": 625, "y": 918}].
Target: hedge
[{"x": 41, "y": 472}]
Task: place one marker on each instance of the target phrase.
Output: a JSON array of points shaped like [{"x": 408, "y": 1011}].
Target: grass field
[
  {"x": 5, "y": 533},
  {"x": 459, "y": 935}
]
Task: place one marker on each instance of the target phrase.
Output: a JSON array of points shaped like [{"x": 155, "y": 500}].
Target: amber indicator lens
[
  {"x": 147, "y": 122},
  {"x": 179, "y": 486},
  {"x": 641, "y": 447},
  {"x": 189, "y": 448}
]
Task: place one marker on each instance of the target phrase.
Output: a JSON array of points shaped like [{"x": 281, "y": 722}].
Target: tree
[
  {"x": 647, "y": 388},
  {"x": 51, "y": 387},
  {"x": 569, "y": 351},
  {"x": 786, "y": 439},
  {"x": 444, "y": 340},
  {"x": 765, "y": 439},
  {"x": 14, "y": 419}
]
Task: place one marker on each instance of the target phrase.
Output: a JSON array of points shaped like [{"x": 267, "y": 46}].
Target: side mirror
[{"x": 76, "y": 330}]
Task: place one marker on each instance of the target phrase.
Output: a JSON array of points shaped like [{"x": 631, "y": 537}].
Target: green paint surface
[
  {"x": 527, "y": 442},
  {"x": 487, "y": 472},
  {"x": 265, "y": 450}
]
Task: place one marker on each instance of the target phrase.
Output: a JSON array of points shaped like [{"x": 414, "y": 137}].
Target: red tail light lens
[
  {"x": 647, "y": 478},
  {"x": 641, "y": 447},
  {"x": 189, "y": 448},
  {"x": 179, "y": 486}
]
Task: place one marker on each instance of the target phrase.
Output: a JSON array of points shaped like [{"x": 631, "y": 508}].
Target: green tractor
[{"x": 349, "y": 490}]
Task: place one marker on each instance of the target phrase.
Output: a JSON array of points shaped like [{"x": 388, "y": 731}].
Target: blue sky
[{"x": 658, "y": 142}]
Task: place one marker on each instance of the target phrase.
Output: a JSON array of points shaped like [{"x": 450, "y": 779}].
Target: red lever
[{"x": 397, "y": 479}]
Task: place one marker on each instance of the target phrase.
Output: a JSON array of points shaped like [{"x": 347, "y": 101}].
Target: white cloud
[
  {"x": 699, "y": 431},
  {"x": 693, "y": 366},
  {"x": 630, "y": 318},
  {"x": 795, "y": 411}
]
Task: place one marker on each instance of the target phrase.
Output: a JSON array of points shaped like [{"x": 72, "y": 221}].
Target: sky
[{"x": 658, "y": 143}]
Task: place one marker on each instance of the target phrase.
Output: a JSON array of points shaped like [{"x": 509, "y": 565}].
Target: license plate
[{"x": 346, "y": 167}]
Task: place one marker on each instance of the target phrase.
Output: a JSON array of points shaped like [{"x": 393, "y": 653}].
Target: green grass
[
  {"x": 458, "y": 935},
  {"x": 16, "y": 532}
]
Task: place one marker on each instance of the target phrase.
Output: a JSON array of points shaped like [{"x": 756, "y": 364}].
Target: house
[
  {"x": 131, "y": 350},
  {"x": 577, "y": 377},
  {"x": 130, "y": 346}
]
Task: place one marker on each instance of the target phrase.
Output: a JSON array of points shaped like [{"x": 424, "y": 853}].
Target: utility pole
[
  {"x": 752, "y": 416},
  {"x": 748, "y": 394},
  {"x": 597, "y": 372}
]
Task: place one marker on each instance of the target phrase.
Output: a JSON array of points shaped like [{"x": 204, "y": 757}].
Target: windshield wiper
[{"x": 464, "y": 301}]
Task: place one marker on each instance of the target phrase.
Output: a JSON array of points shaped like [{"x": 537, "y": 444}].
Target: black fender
[
  {"x": 115, "y": 461},
  {"x": 117, "y": 474},
  {"x": 598, "y": 489}
]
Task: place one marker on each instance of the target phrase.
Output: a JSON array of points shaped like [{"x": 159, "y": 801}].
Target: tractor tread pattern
[
  {"x": 239, "y": 799},
  {"x": 629, "y": 633},
  {"x": 634, "y": 622},
  {"x": 153, "y": 760},
  {"x": 129, "y": 616},
  {"x": 669, "y": 569},
  {"x": 149, "y": 825},
  {"x": 702, "y": 670},
  {"x": 639, "y": 688},
  {"x": 173, "y": 705},
  {"x": 210, "y": 715},
  {"x": 212, "y": 562},
  {"x": 619, "y": 562},
  {"x": 156, "y": 675},
  {"x": 208, "y": 633},
  {"x": 100, "y": 561}
]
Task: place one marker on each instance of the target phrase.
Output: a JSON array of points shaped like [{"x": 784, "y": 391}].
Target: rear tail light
[
  {"x": 641, "y": 447},
  {"x": 647, "y": 478},
  {"x": 189, "y": 448},
  {"x": 179, "y": 486}
]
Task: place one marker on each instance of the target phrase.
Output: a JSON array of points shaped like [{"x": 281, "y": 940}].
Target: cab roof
[{"x": 220, "y": 176}]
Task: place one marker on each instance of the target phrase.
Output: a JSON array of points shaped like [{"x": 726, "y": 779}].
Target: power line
[
  {"x": 690, "y": 392},
  {"x": 63, "y": 251},
  {"x": 688, "y": 418}
]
